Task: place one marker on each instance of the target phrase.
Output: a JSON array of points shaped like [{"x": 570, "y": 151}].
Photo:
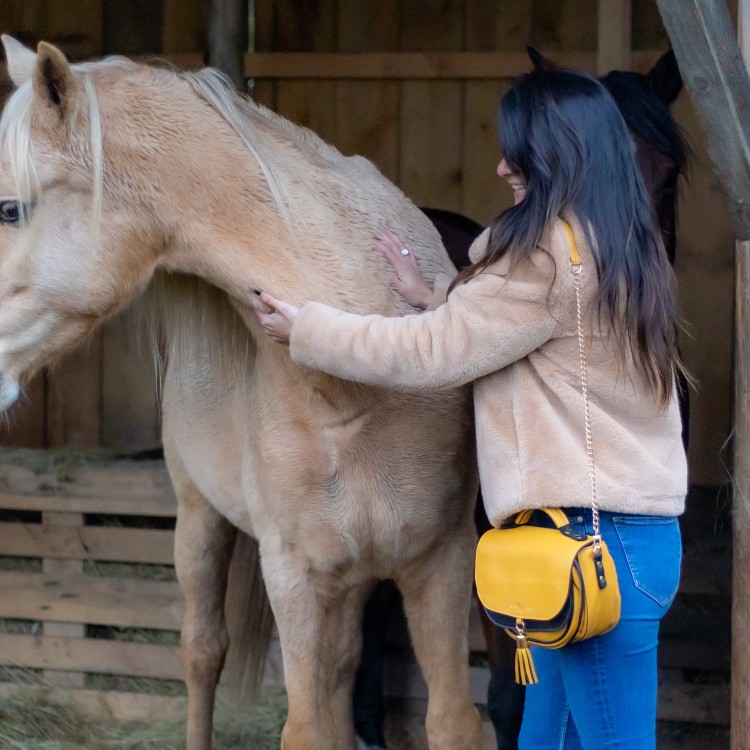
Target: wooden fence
[{"x": 86, "y": 581}]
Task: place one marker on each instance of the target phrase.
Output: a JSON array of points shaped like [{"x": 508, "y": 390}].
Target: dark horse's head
[{"x": 662, "y": 151}]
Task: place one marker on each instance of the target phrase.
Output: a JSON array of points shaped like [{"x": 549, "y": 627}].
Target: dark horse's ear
[
  {"x": 539, "y": 61},
  {"x": 664, "y": 78}
]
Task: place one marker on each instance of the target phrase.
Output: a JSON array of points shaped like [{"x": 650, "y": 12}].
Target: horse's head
[{"x": 63, "y": 267}]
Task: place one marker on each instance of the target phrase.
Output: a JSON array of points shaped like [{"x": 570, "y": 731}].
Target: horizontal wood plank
[
  {"x": 87, "y": 543},
  {"x": 91, "y": 655},
  {"x": 83, "y": 482},
  {"x": 414, "y": 65},
  {"x": 392, "y": 65},
  {"x": 91, "y": 600},
  {"x": 163, "y": 507}
]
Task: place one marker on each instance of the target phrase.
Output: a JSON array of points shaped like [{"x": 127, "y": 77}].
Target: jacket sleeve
[{"x": 486, "y": 324}]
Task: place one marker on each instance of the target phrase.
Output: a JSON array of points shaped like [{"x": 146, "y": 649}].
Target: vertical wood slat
[
  {"x": 185, "y": 24},
  {"x": 132, "y": 27},
  {"x": 25, "y": 424},
  {"x": 614, "y": 42},
  {"x": 74, "y": 398},
  {"x": 430, "y": 170},
  {"x": 310, "y": 28},
  {"x": 483, "y": 194},
  {"x": 367, "y": 111},
  {"x": 63, "y": 568},
  {"x": 130, "y": 410}
]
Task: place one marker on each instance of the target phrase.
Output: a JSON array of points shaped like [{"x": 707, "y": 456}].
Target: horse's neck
[{"x": 227, "y": 229}]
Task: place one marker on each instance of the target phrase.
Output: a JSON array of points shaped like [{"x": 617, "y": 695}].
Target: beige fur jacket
[{"x": 514, "y": 335}]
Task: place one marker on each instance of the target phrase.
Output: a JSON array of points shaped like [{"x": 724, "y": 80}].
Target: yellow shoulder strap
[{"x": 575, "y": 258}]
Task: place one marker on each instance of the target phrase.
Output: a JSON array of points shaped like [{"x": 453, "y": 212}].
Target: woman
[{"x": 509, "y": 325}]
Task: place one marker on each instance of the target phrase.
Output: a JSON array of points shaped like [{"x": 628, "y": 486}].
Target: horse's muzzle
[{"x": 9, "y": 391}]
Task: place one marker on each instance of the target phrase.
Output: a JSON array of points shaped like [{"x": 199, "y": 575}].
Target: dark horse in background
[{"x": 662, "y": 154}]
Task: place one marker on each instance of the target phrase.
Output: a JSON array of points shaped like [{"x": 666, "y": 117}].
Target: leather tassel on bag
[{"x": 525, "y": 672}]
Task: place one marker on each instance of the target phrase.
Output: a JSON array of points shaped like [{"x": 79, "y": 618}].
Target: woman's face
[{"x": 516, "y": 181}]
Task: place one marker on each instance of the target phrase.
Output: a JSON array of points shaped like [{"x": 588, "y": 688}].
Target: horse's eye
[{"x": 11, "y": 211}]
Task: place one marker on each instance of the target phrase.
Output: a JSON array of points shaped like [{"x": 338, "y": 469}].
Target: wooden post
[
  {"x": 228, "y": 38},
  {"x": 714, "y": 73},
  {"x": 614, "y": 36},
  {"x": 740, "y": 711},
  {"x": 740, "y": 698}
]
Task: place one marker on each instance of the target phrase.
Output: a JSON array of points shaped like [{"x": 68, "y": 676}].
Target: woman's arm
[{"x": 486, "y": 324}]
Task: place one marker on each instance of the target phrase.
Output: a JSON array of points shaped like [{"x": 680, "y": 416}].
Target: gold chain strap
[{"x": 575, "y": 267}]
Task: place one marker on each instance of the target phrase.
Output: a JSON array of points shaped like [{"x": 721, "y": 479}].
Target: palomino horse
[{"x": 114, "y": 174}]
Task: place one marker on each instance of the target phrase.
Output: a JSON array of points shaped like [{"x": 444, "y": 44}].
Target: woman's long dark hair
[{"x": 562, "y": 131}]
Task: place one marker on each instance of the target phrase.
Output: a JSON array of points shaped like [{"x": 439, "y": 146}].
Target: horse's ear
[
  {"x": 21, "y": 60},
  {"x": 664, "y": 78},
  {"x": 539, "y": 61},
  {"x": 53, "y": 80}
]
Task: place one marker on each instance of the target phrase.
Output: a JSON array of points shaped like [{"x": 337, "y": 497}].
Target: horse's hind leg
[
  {"x": 437, "y": 597},
  {"x": 369, "y": 708},
  {"x": 505, "y": 699},
  {"x": 203, "y": 548}
]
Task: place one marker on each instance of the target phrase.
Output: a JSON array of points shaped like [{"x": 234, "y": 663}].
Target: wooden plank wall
[
  {"x": 435, "y": 138},
  {"x": 54, "y": 617}
]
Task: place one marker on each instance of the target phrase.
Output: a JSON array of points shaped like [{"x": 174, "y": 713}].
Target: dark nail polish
[{"x": 258, "y": 292}]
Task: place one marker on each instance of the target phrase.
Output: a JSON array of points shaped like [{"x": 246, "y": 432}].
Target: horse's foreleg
[
  {"x": 437, "y": 597},
  {"x": 203, "y": 549},
  {"x": 320, "y": 634}
]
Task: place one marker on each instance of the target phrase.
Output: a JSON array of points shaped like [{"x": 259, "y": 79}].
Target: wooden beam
[{"x": 415, "y": 65}]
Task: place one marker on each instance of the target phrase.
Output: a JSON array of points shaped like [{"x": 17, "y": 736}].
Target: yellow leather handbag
[{"x": 550, "y": 585}]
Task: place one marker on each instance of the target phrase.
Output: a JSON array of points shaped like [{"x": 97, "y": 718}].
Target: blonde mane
[{"x": 249, "y": 120}]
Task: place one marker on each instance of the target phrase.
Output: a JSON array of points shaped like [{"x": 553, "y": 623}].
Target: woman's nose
[{"x": 503, "y": 170}]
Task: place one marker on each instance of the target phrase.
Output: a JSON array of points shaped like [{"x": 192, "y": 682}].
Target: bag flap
[{"x": 524, "y": 572}]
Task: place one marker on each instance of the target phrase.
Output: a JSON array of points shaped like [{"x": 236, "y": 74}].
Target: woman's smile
[{"x": 516, "y": 181}]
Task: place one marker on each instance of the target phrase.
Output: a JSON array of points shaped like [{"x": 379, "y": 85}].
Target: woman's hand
[
  {"x": 277, "y": 323},
  {"x": 404, "y": 275}
]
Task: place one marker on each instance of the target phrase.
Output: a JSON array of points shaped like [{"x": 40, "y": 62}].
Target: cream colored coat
[{"x": 514, "y": 335}]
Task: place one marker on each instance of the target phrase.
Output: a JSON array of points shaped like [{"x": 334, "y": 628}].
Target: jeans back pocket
[{"x": 653, "y": 549}]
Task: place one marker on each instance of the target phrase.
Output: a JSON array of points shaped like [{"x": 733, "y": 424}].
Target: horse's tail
[{"x": 249, "y": 619}]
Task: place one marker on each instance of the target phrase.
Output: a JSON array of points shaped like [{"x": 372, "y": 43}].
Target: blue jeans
[{"x": 600, "y": 694}]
